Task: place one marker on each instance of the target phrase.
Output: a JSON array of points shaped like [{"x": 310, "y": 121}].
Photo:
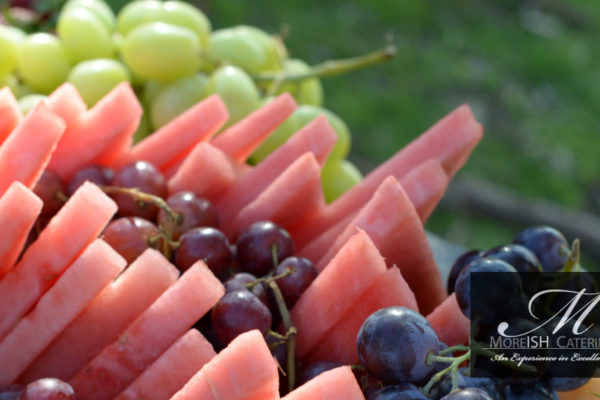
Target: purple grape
[
  {"x": 478, "y": 379},
  {"x": 94, "y": 173},
  {"x": 254, "y": 252},
  {"x": 399, "y": 391},
  {"x": 393, "y": 344},
  {"x": 548, "y": 244},
  {"x": 238, "y": 312},
  {"x": 145, "y": 177},
  {"x": 130, "y": 236},
  {"x": 520, "y": 257},
  {"x": 534, "y": 391},
  {"x": 47, "y": 389},
  {"x": 468, "y": 394},
  {"x": 10, "y": 392},
  {"x": 314, "y": 369},
  {"x": 567, "y": 384},
  {"x": 239, "y": 281},
  {"x": 51, "y": 190},
  {"x": 194, "y": 210},
  {"x": 292, "y": 286},
  {"x": 207, "y": 244},
  {"x": 458, "y": 265}
]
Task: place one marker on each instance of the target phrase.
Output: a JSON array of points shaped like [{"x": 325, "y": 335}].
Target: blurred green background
[{"x": 528, "y": 68}]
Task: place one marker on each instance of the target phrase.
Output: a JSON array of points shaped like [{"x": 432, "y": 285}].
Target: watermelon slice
[
  {"x": 172, "y": 142},
  {"x": 119, "y": 304},
  {"x": 244, "y": 370},
  {"x": 240, "y": 140},
  {"x": 19, "y": 208},
  {"x": 66, "y": 102},
  {"x": 450, "y": 324},
  {"x": 317, "y": 137},
  {"x": 86, "y": 277},
  {"x": 336, "y": 384},
  {"x": 390, "y": 289},
  {"x": 172, "y": 369},
  {"x": 450, "y": 140},
  {"x": 167, "y": 319},
  {"x": 217, "y": 170},
  {"x": 391, "y": 221},
  {"x": 105, "y": 125},
  {"x": 294, "y": 195},
  {"x": 26, "y": 152},
  {"x": 355, "y": 267},
  {"x": 10, "y": 113},
  {"x": 71, "y": 230}
]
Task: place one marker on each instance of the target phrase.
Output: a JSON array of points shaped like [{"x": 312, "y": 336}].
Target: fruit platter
[{"x": 185, "y": 227}]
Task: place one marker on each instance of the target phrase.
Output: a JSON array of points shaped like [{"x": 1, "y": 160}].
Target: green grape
[
  {"x": 338, "y": 176},
  {"x": 84, "y": 36},
  {"x": 12, "y": 82},
  {"x": 161, "y": 52},
  {"x": 151, "y": 90},
  {"x": 99, "y": 8},
  {"x": 95, "y": 78},
  {"x": 274, "y": 49},
  {"x": 26, "y": 103},
  {"x": 306, "y": 113},
  {"x": 309, "y": 91},
  {"x": 237, "y": 89},
  {"x": 176, "y": 98},
  {"x": 173, "y": 12},
  {"x": 10, "y": 39},
  {"x": 279, "y": 136},
  {"x": 42, "y": 62},
  {"x": 234, "y": 46},
  {"x": 143, "y": 128}
]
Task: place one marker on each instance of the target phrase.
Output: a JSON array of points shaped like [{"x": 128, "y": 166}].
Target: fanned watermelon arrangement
[{"x": 72, "y": 308}]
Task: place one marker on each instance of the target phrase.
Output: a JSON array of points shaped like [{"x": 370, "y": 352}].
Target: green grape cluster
[{"x": 169, "y": 53}]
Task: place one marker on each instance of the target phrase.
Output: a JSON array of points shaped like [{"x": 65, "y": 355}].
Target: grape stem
[
  {"x": 454, "y": 362},
  {"x": 266, "y": 279},
  {"x": 572, "y": 263},
  {"x": 331, "y": 67}
]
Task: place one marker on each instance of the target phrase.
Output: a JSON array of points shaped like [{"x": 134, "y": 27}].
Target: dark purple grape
[
  {"x": 520, "y": 257},
  {"x": 278, "y": 348},
  {"x": 292, "y": 286},
  {"x": 145, "y": 177},
  {"x": 567, "y": 384},
  {"x": 10, "y": 392},
  {"x": 458, "y": 265},
  {"x": 534, "y": 391},
  {"x": 51, "y": 190},
  {"x": 207, "y": 244},
  {"x": 130, "y": 236},
  {"x": 195, "y": 212},
  {"x": 399, "y": 391},
  {"x": 254, "y": 247},
  {"x": 393, "y": 344},
  {"x": 239, "y": 282},
  {"x": 314, "y": 369},
  {"x": 479, "y": 379},
  {"x": 468, "y": 394},
  {"x": 238, "y": 312},
  {"x": 94, "y": 173},
  {"x": 548, "y": 244},
  {"x": 502, "y": 294},
  {"x": 47, "y": 389}
]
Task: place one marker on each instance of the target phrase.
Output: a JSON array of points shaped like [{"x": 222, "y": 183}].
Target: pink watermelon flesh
[
  {"x": 390, "y": 289},
  {"x": 167, "y": 319},
  {"x": 81, "y": 282},
  {"x": 26, "y": 152},
  {"x": 66, "y": 102},
  {"x": 450, "y": 140},
  {"x": 391, "y": 221},
  {"x": 317, "y": 137},
  {"x": 450, "y": 324},
  {"x": 19, "y": 208},
  {"x": 336, "y": 384},
  {"x": 206, "y": 171},
  {"x": 10, "y": 113},
  {"x": 173, "y": 141},
  {"x": 105, "y": 318},
  {"x": 172, "y": 369},
  {"x": 95, "y": 133},
  {"x": 244, "y": 370},
  {"x": 292, "y": 196},
  {"x": 69, "y": 232},
  {"x": 240, "y": 140},
  {"x": 349, "y": 274}
]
